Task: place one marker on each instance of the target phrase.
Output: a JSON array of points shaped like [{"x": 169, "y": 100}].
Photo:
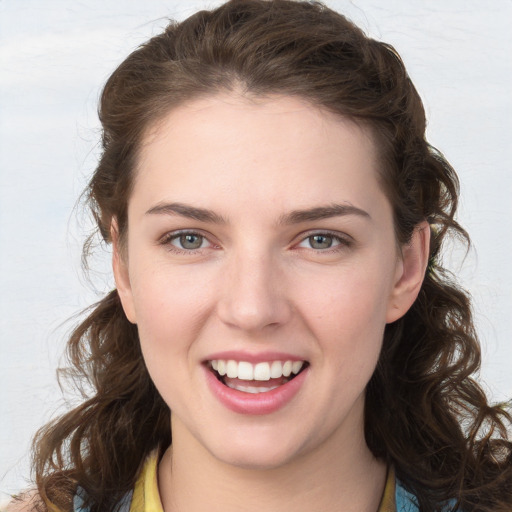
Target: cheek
[
  {"x": 170, "y": 308},
  {"x": 169, "y": 296},
  {"x": 347, "y": 315},
  {"x": 348, "y": 300}
]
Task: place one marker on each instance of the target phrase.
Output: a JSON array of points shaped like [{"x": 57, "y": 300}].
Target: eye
[
  {"x": 189, "y": 241},
  {"x": 185, "y": 241},
  {"x": 321, "y": 241}
]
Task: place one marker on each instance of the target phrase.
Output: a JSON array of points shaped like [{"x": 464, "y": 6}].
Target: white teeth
[
  {"x": 264, "y": 371},
  {"x": 245, "y": 371},
  {"x": 276, "y": 370},
  {"x": 232, "y": 369},
  {"x": 250, "y": 389},
  {"x": 221, "y": 367},
  {"x": 296, "y": 366}
]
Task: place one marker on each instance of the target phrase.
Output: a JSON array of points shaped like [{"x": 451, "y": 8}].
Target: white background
[{"x": 54, "y": 57}]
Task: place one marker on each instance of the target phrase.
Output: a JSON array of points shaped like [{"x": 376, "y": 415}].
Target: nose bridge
[{"x": 253, "y": 292}]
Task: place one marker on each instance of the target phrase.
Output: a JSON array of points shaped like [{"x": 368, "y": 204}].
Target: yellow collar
[{"x": 146, "y": 497}]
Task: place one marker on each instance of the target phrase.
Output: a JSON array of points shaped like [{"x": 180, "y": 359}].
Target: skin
[{"x": 257, "y": 284}]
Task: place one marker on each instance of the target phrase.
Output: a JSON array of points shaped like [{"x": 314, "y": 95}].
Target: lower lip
[{"x": 255, "y": 403}]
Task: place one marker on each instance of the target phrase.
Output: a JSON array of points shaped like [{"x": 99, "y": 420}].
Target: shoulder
[
  {"x": 26, "y": 502},
  {"x": 407, "y": 502}
]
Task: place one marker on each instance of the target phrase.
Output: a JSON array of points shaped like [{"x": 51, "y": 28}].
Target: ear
[
  {"x": 121, "y": 274},
  {"x": 410, "y": 272}
]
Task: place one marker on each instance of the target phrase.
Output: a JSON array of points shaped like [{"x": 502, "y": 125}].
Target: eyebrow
[
  {"x": 191, "y": 212},
  {"x": 294, "y": 217},
  {"x": 322, "y": 212}
]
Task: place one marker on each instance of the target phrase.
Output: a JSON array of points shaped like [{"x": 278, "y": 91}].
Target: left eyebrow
[{"x": 322, "y": 212}]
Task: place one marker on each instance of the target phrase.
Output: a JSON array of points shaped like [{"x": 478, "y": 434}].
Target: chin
[
  {"x": 256, "y": 461},
  {"x": 256, "y": 452}
]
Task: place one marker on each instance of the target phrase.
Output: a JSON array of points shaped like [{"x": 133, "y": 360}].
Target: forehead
[
  {"x": 277, "y": 149},
  {"x": 237, "y": 110}
]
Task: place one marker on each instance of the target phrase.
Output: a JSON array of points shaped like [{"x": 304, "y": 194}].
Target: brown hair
[{"x": 424, "y": 413}]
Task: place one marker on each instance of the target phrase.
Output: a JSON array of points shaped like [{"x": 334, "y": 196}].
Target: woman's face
[{"x": 260, "y": 243}]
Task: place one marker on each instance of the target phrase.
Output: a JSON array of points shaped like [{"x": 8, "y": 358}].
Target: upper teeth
[{"x": 260, "y": 371}]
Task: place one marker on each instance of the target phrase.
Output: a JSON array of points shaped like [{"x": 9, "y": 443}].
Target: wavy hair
[{"x": 425, "y": 415}]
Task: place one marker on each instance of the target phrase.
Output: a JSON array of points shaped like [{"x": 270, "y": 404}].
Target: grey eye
[
  {"x": 190, "y": 241},
  {"x": 320, "y": 241}
]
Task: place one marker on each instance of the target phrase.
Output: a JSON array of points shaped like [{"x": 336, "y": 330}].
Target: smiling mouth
[{"x": 255, "y": 378}]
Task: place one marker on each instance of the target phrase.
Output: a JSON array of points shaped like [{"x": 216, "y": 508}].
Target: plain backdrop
[{"x": 54, "y": 57}]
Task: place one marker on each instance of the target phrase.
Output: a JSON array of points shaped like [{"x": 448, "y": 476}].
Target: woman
[{"x": 276, "y": 217}]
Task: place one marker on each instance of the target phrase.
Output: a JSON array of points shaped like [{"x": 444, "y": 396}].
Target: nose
[{"x": 253, "y": 293}]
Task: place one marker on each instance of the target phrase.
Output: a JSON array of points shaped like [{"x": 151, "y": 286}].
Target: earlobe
[
  {"x": 121, "y": 274},
  {"x": 411, "y": 272}
]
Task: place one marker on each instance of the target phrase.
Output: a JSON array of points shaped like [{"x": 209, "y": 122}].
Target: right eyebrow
[{"x": 185, "y": 210}]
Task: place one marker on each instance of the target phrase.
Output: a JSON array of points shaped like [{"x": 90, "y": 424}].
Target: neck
[{"x": 335, "y": 477}]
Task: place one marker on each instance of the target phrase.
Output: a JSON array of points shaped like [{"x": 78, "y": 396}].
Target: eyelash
[{"x": 341, "y": 241}]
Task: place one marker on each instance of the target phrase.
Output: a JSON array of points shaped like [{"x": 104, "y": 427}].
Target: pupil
[
  {"x": 320, "y": 241},
  {"x": 191, "y": 241}
]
